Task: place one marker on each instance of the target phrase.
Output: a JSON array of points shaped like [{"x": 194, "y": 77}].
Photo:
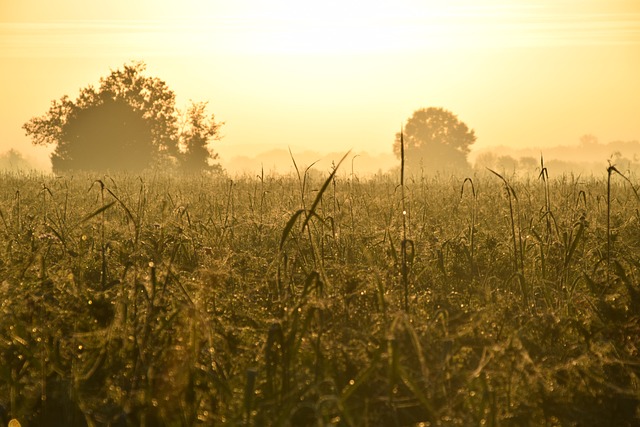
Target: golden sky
[{"x": 338, "y": 74}]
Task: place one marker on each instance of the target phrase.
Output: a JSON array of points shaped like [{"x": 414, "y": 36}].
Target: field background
[{"x": 307, "y": 300}]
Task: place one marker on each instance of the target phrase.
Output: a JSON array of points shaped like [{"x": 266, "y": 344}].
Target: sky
[{"x": 335, "y": 75}]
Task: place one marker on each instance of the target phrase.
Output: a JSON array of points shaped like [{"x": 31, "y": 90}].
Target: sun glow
[
  {"x": 331, "y": 27},
  {"x": 341, "y": 73},
  {"x": 348, "y": 27},
  {"x": 375, "y": 27}
]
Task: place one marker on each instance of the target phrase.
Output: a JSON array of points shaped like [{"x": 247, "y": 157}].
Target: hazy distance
[{"x": 333, "y": 76}]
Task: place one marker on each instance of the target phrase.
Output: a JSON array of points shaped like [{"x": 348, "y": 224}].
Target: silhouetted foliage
[
  {"x": 109, "y": 135},
  {"x": 198, "y": 129},
  {"x": 128, "y": 123},
  {"x": 435, "y": 140},
  {"x": 507, "y": 165}
]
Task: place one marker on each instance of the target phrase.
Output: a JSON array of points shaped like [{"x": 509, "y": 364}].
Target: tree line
[{"x": 130, "y": 122}]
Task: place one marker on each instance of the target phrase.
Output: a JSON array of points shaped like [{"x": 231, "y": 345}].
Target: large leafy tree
[
  {"x": 129, "y": 122},
  {"x": 435, "y": 140},
  {"x": 108, "y": 135}
]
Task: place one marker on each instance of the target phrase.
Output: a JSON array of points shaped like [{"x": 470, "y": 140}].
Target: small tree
[
  {"x": 436, "y": 140},
  {"x": 128, "y": 123},
  {"x": 198, "y": 130}
]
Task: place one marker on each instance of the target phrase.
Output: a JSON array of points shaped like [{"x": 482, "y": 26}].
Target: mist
[{"x": 587, "y": 157}]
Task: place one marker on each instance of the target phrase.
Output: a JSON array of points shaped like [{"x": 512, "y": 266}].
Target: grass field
[{"x": 306, "y": 301}]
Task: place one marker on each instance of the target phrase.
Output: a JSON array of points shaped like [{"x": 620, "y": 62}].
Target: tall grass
[
  {"x": 516, "y": 237},
  {"x": 405, "y": 243},
  {"x": 278, "y": 300}
]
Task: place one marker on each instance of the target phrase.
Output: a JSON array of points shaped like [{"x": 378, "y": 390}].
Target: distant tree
[
  {"x": 128, "y": 123},
  {"x": 436, "y": 140},
  {"x": 528, "y": 164},
  {"x": 506, "y": 165},
  {"x": 486, "y": 159},
  {"x": 13, "y": 160},
  {"x": 197, "y": 131},
  {"x": 588, "y": 140}
]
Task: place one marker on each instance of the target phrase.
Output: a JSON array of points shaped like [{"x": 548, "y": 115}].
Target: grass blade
[
  {"x": 96, "y": 212},
  {"x": 313, "y": 207}
]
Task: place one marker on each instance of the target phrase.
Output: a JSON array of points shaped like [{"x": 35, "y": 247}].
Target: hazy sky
[{"x": 337, "y": 74}]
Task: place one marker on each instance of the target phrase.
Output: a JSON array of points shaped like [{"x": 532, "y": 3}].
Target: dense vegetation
[
  {"x": 128, "y": 113},
  {"x": 151, "y": 300}
]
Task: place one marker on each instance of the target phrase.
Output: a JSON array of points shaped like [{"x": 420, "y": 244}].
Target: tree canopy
[
  {"x": 130, "y": 122},
  {"x": 435, "y": 140}
]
